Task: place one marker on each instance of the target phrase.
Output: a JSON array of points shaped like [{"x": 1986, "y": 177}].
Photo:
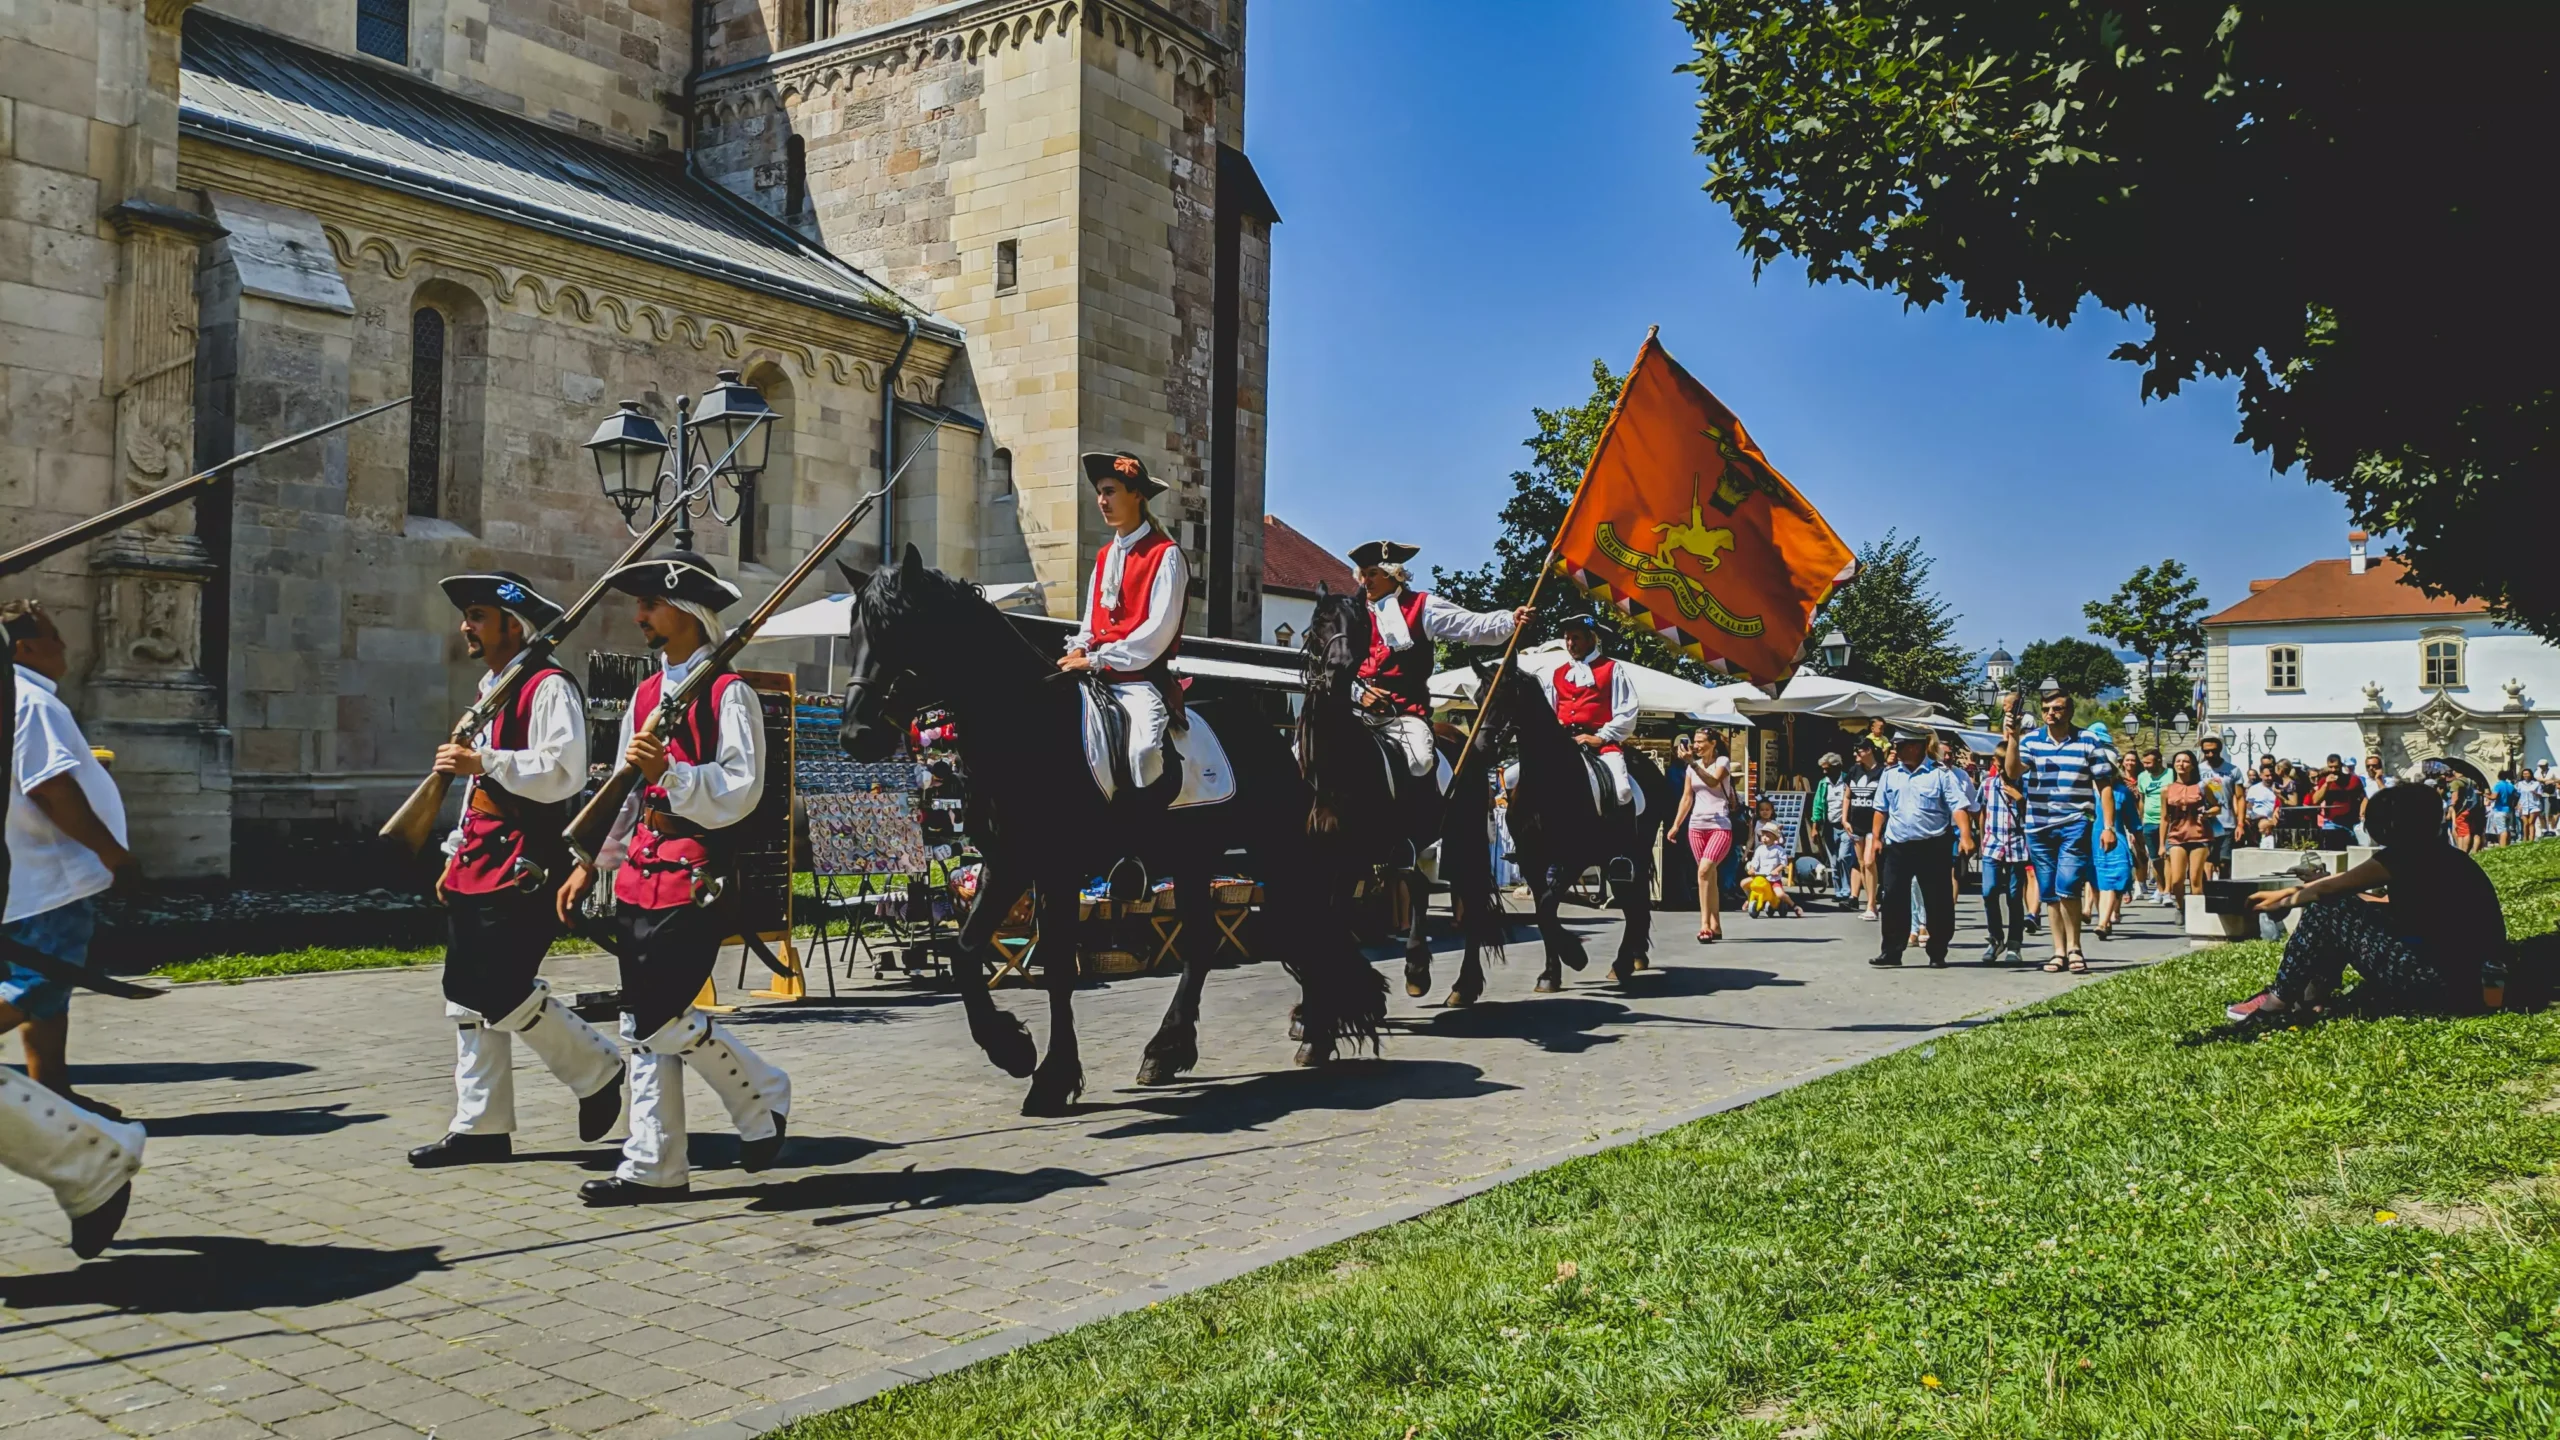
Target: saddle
[{"x": 1196, "y": 768}]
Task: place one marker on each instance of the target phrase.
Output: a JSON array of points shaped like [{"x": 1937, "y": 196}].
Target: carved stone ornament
[
  {"x": 2373, "y": 694},
  {"x": 2443, "y": 729},
  {"x": 2515, "y": 694}
]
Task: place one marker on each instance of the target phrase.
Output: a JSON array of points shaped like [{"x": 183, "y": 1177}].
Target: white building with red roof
[
  {"x": 2347, "y": 657},
  {"x": 1292, "y": 567}
]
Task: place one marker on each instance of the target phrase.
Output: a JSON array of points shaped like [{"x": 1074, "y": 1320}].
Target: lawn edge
[{"x": 869, "y": 1384}]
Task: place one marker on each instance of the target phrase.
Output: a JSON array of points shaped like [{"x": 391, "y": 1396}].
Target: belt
[
  {"x": 669, "y": 824},
  {"x": 481, "y": 802}
]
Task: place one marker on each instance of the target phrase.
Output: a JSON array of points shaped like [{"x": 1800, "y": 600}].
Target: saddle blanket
[
  {"x": 1207, "y": 778},
  {"x": 1604, "y": 788}
]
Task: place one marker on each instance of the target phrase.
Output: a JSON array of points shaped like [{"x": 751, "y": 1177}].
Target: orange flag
[{"x": 1683, "y": 524}]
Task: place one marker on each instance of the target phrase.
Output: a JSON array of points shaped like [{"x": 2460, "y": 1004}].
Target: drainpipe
[{"x": 889, "y": 439}]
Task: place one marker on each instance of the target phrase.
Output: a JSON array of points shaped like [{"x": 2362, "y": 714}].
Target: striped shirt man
[
  {"x": 2002, "y": 840},
  {"x": 2062, "y": 776}
]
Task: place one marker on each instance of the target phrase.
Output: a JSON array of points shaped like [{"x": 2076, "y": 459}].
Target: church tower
[{"x": 1066, "y": 181}]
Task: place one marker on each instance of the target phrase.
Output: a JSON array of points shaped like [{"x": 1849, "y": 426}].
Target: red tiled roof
[
  {"x": 1292, "y": 563},
  {"x": 2328, "y": 590}
]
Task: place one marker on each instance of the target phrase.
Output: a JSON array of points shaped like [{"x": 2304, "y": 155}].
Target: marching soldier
[
  {"x": 1404, "y": 622},
  {"x": 670, "y": 855},
  {"x": 520, "y": 774},
  {"x": 1595, "y": 699},
  {"x": 1133, "y": 611}
]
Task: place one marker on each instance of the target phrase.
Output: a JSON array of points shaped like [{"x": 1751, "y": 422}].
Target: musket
[
  {"x": 36, "y": 552},
  {"x": 586, "y": 833},
  {"x": 415, "y": 821}
]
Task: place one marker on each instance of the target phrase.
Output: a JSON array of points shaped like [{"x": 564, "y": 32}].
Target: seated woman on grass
[{"x": 2419, "y": 951}]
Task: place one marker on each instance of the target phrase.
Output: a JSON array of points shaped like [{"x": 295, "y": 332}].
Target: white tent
[
  {"x": 830, "y": 618},
  {"x": 1809, "y": 694},
  {"x": 1657, "y": 692}
]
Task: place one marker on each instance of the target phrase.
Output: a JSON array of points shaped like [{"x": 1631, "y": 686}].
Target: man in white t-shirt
[{"x": 66, "y": 840}]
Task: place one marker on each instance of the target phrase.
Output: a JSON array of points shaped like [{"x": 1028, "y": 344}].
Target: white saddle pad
[
  {"x": 1598, "y": 774},
  {"x": 1207, "y": 778},
  {"x": 1391, "y": 756}
]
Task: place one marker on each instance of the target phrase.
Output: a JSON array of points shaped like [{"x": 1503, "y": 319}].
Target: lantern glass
[
  {"x": 627, "y": 449},
  {"x": 2270, "y": 738},
  {"x": 1835, "y": 651},
  {"x": 732, "y": 412},
  {"x": 2182, "y": 720}
]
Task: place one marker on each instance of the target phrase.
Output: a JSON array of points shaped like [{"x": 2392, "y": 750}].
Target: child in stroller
[{"x": 1765, "y": 891}]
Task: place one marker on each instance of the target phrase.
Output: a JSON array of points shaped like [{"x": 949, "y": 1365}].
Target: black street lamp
[{"x": 726, "y": 439}]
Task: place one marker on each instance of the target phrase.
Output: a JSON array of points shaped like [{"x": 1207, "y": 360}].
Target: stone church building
[{"x": 979, "y": 235}]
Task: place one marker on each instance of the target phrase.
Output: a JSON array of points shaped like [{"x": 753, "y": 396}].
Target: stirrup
[
  {"x": 1612, "y": 871},
  {"x": 1111, "y": 880}
]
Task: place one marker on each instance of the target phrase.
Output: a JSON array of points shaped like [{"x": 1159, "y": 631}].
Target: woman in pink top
[{"x": 1706, "y": 817}]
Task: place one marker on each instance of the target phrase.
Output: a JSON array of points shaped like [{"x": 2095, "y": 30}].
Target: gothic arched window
[
  {"x": 795, "y": 177},
  {"x": 426, "y": 410}
]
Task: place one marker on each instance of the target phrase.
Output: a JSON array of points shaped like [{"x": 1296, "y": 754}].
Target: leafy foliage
[
  {"x": 2097, "y": 1216},
  {"x": 2157, "y": 613},
  {"x": 2263, "y": 185},
  {"x": 1901, "y": 634},
  {"x": 1530, "y": 519},
  {"x": 2084, "y": 667}
]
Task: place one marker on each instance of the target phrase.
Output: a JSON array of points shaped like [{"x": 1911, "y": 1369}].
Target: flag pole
[{"x": 1484, "y": 702}]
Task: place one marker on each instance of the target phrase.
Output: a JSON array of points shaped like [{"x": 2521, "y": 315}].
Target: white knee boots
[
  {"x": 484, "y": 1085},
  {"x": 85, "y": 1159},
  {"x": 756, "y": 1094}
]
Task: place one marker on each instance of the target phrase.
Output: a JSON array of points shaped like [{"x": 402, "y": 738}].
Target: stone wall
[
  {"x": 609, "y": 71},
  {"x": 344, "y": 668}
]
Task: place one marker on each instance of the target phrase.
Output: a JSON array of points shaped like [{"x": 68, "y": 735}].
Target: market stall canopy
[
  {"x": 1657, "y": 692},
  {"x": 830, "y": 618},
  {"x": 1838, "y": 699}
]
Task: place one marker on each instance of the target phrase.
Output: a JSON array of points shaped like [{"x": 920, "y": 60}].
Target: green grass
[
  {"x": 2099, "y": 1216},
  {"x": 318, "y": 959}
]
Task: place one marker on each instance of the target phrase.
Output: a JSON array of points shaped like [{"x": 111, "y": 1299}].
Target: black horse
[
  {"x": 1370, "y": 815},
  {"x": 1041, "y": 822},
  {"x": 1558, "y": 831}
]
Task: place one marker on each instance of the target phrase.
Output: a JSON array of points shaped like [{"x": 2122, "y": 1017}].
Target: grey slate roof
[{"x": 244, "y": 87}]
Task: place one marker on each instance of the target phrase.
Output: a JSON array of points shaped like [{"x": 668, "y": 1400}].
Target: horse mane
[
  {"x": 913, "y": 593},
  {"x": 1326, "y": 710}
]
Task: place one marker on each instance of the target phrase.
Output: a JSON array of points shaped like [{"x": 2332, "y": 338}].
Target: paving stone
[{"x": 482, "y": 1302}]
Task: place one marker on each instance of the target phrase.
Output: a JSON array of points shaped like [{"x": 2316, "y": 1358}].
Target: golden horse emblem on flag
[{"x": 1683, "y": 526}]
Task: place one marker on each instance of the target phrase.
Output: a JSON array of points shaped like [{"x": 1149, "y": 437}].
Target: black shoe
[
  {"x": 614, "y": 1190},
  {"x": 457, "y": 1149},
  {"x": 1937, "y": 962},
  {"x": 598, "y": 1112},
  {"x": 1887, "y": 962},
  {"x": 93, "y": 1105},
  {"x": 757, "y": 1154},
  {"x": 91, "y": 1232}
]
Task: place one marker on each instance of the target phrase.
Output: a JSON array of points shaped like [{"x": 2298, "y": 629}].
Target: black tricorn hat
[
  {"x": 1120, "y": 465},
  {"x": 676, "y": 575},
  {"x": 504, "y": 589},
  {"x": 1383, "y": 552},
  {"x": 1578, "y": 622}
]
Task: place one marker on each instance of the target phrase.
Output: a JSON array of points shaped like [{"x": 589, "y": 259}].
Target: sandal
[
  {"x": 2053, "y": 966},
  {"x": 2079, "y": 963}
]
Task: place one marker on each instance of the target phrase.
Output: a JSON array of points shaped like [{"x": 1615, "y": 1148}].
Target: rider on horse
[
  {"x": 1594, "y": 698},
  {"x": 1133, "y": 611},
  {"x": 1395, "y": 681}
]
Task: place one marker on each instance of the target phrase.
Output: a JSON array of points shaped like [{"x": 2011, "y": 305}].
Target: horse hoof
[
  {"x": 1313, "y": 1056},
  {"x": 1639, "y": 963},
  {"x": 1297, "y": 1022},
  {"x": 1460, "y": 999},
  {"x": 1417, "y": 979},
  {"x": 1549, "y": 985},
  {"x": 1577, "y": 960}
]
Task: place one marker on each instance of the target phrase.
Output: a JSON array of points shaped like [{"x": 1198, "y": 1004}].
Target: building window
[
  {"x": 382, "y": 29},
  {"x": 2284, "y": 667},
  {"x": 1008, "y": 265},
  {"x": 426, "y": 410},
  {"x": 795, "y": 177},
  {"x": 2440, "y": 663},
  {"x": 1000, "y": 474}
]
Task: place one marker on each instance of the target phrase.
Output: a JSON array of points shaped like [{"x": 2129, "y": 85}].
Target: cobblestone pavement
[{"x": 284, "y": 1272}]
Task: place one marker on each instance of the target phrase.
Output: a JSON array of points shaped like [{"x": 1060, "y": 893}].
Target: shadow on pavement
[
  {"x": 219, "y": 1272},
  {"x": 1561, "y": 1024},
  {"x": 1684, "y": 980},
  {"x": 1361, "y": 1084},
  {"x": 183, "y": 1072},
  {"x": 909, "y": 1189},
  {"x": 297, "y": 1120}
]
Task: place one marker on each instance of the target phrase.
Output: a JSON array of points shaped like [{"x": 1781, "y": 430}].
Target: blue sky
[{"x": 1480, "y": 197}]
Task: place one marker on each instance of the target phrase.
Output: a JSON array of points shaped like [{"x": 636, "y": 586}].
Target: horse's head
[
  {"x": 1337, "y": 641},
  {"x": 875, "y": 718}
]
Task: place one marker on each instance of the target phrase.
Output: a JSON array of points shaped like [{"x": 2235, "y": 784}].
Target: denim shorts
[
  {"x": 62, "y": 933},
  {"x": 2061, "y": 858}
]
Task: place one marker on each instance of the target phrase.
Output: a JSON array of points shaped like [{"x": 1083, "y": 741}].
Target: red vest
[
  {"x": 1404, "y": 674},
  {"x": 1137, "y": 583},
  {"x": 492, "y": 846},
  {"x": 661, "y": 870},
  {"x": 1583, "y": 709}
]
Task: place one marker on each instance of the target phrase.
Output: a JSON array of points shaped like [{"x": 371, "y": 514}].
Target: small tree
[
  {"x": 2084, "y": 667},
  {"x": 2158, "y": 615},
  {"x": 1901, "y": 634}
]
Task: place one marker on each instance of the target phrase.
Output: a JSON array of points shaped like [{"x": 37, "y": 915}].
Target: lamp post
[
  {"x": 1835, "y": 652},
  {"x": 725, "y": 440}
]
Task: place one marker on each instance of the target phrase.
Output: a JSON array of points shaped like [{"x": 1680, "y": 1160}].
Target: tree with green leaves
[
  {"x": 2083, "y": 667},
  {"x": 1901, "y": 634},
  {"x": 2158, "y": 614},
  {"x": 1540, "y": 495},
  {"x": 2326, "y": 203}
]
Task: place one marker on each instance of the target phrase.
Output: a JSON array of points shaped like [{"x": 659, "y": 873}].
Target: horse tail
[{"x": 1466, "y": 854}]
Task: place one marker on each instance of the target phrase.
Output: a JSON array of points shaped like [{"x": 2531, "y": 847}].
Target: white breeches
[
  {"x": 81, "y": 1157},
  {"x": 1410, "y": 735},
  {"x": 1616, "y": 764},
  {"x": 484, "y": 1084},
  {"x": 1148, "y": 721},
  {"x": 750, "y": 1088}
]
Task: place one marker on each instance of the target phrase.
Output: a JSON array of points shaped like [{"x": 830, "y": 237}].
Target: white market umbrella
[
  {"x": 1837, "y": 699},
  {"x": 830, "y": 618},
  {"x": 1657, "y": 692}
]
